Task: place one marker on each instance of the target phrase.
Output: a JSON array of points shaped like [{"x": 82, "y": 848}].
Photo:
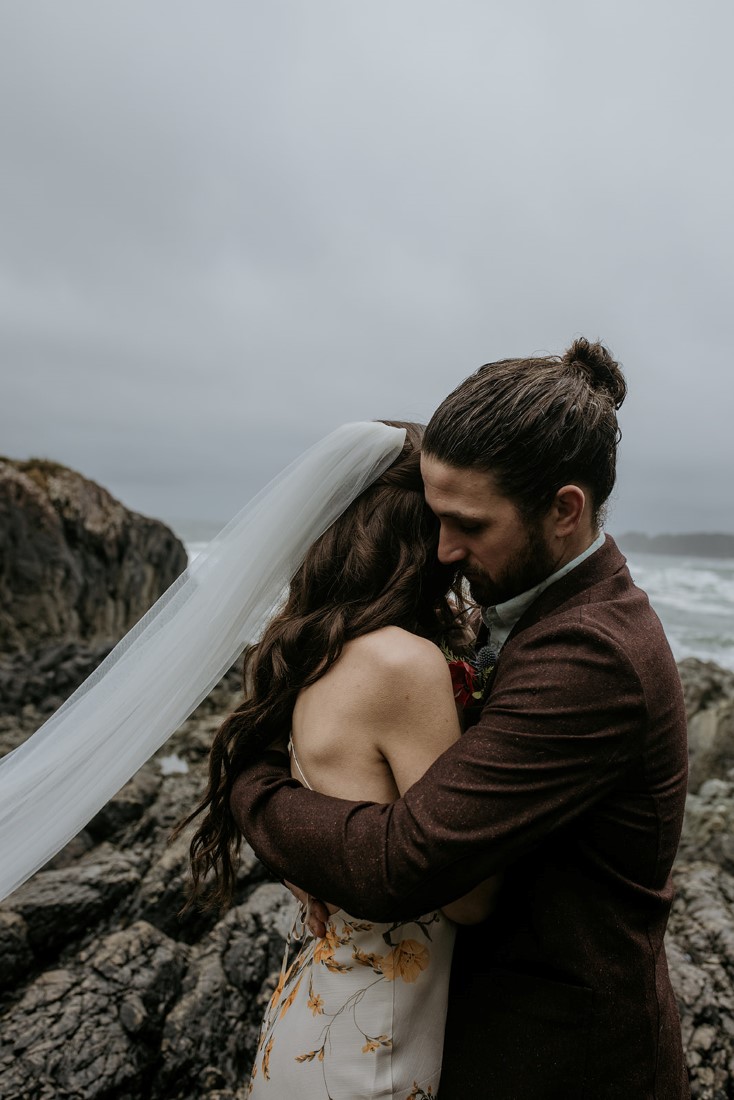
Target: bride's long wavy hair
[{"x": 376, "y": 566}]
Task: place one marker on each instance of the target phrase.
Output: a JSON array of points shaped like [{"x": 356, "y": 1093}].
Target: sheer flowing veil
[{"x": 52, "y": 785}]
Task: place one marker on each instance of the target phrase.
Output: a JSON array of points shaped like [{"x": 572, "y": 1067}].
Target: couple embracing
[{"x": 494, "y": 878}]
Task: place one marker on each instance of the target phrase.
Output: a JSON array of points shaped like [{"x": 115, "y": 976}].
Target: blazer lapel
[{"x": 604, "y": 563}]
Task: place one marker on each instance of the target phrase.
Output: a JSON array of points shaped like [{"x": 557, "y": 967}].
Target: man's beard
[{"x": 532, "y": 563}]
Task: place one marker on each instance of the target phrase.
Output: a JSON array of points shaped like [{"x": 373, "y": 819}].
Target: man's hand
[{"x": 316, "y": 913}]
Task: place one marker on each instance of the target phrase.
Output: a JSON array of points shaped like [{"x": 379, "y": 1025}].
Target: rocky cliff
[{"x": 77, "y": 570}]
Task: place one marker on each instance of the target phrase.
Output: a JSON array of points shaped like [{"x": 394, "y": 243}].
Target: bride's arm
[{"x": 414, "y": 719}]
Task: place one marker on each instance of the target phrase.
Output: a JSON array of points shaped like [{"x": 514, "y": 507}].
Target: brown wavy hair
[{"x": 376, "y": 566}]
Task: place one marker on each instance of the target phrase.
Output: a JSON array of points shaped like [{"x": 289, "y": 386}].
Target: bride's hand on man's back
[{"x": 315, "y": 913}]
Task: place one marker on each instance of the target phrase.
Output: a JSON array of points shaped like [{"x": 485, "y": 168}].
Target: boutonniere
[{"x": 470, "y": 676}]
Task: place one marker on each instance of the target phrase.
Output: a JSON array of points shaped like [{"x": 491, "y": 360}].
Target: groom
[{"x": 572, "y": 780}]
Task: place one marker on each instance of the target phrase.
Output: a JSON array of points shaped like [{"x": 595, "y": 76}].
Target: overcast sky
[{"x": 227, "y": 227}]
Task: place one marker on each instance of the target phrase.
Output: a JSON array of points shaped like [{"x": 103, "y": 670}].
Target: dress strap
[
  {"x": 299, "y": 769},
  {"x": 304, "y": 912}
]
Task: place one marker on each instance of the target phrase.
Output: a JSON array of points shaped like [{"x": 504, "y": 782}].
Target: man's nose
[{"x": 450, "y": 549}]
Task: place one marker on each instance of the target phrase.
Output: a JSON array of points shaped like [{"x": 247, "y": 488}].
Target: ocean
[{"x": 694, "y": 598}]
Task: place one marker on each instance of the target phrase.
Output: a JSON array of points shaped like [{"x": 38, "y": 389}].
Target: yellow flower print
[
  {"x": 290, "y": 998},
  {"x": 322, "y": 951},
  {"x": 326, "y": 947},
  {"x": 318, "y": 1054},
  {"x": 406, "y": 960},
  {"x": 356, "y": 926},
  {"x": 370, "y": 959},
  {"x": 277, "y": 993},
  {"x": 266, "y": 1061},
  {"x": 374, "y": 1044},
  {"x": 336, "y": 967}
]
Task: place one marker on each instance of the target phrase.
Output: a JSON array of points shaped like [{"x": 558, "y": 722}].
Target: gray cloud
[{"x": 226, "y": 228}]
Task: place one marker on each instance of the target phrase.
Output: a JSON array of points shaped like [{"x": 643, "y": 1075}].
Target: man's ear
[{"x": 569, "y": 505}]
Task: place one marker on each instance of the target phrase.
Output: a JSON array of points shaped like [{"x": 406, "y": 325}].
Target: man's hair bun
[{"x": 600, "y": 369}]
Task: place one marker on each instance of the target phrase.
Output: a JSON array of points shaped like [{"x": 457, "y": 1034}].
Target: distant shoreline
[{"x": 699, "y": 544}]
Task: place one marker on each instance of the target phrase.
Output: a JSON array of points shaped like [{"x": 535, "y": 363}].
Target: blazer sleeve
[{"x": 566, "y": 716}]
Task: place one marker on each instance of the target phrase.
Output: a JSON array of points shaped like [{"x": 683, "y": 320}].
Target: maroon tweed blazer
[{"x": 573, "y": 782}]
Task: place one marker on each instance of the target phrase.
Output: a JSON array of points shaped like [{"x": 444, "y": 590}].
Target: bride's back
[
  {"x": 372, "y": 723},
  {"x": 345, "y": 666}
]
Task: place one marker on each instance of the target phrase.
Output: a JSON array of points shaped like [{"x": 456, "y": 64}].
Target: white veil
[{"x": 52, "y": 785}]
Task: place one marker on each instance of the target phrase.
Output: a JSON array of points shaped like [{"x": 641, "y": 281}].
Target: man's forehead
[{"x": 470, "y": 486}]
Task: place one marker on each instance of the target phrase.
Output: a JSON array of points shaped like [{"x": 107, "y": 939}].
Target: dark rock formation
[
  {"x": 93, "y": 1027},
  {"x": 704, "y": 684},
  {"x": 106, "y": 992},
  {"x": 709, "y": 692},
  {"x": 77, "y": 570},
  {"x": 700, "y": 942},
  {"x": 708, "y": 829},
  {"x": 700, "y": 946},
  {"x": 138, "y": 1014}
]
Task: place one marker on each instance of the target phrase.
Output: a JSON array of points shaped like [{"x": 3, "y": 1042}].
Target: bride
[
  {"x": 350, "y": 669},
  {"x": 349, "y": 676}
]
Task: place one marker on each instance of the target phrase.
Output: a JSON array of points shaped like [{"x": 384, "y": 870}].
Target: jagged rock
[
  {"x": 77, "y": 570},
  {"x": 704, "y": 684},
  {"x": 92, "y": 1031},
  {"x": 708, "y": 827},
  {"x": 24, "y": 684},
  {"x": 72, "y": 852},
  {"x": 230, "y": 978},
  {"x": 711, "y": 743},
  {"x": 58, "y": 906},
  {"x": 164, "y": 891},
  {"x": 128, "y": 804},
  {"x": 709, "y": 695},
  {"x": 700, "y": 948},
  {"x": 11, "y": 733},
  {"x": 176, "y": 796},
  {"x": 15, "y": 953}
]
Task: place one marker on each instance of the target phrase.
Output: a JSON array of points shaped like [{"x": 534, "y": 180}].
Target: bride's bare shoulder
[
  {"x": 377, "y": 675},
  {"x": 391, "y": 653}
]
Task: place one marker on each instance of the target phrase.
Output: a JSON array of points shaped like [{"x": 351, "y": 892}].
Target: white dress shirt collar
[{"x": 501, "y": 618}]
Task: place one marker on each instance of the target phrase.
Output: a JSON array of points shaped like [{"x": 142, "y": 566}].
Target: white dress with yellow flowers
[{"x": 358, "y": 1015}]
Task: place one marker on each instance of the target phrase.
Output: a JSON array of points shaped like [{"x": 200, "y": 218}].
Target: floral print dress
[{"x": 358, "y": 1015}]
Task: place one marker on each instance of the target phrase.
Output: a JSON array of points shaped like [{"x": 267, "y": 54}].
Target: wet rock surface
[
  {"x": 138, "y": 1014},
  {"x": 700, "y": 948},
  {"x": 700, "y": 942},
  {"x": 106, "y": 991}
]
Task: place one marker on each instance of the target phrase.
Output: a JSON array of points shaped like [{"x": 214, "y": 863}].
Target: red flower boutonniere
[
  {"x": 468, "y": 677},
  {"x": 464, "y": 681}
]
